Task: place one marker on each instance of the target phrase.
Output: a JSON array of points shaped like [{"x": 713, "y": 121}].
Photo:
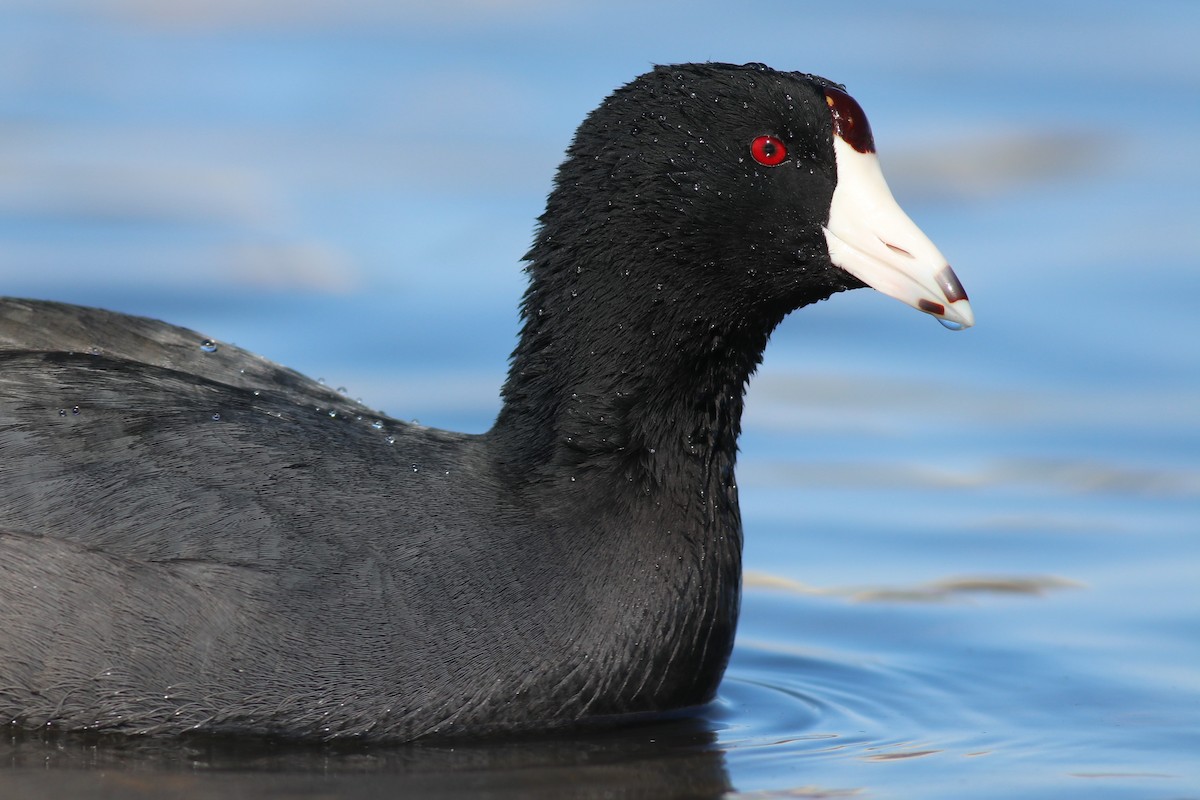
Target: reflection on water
[
  {"x": 675, "y": 759},
  {"x": 944, "y": 590}
]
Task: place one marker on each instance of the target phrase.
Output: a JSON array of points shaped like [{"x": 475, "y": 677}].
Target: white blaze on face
[{"x": 871, "y": 237}]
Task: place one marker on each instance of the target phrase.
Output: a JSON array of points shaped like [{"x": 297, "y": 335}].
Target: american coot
[{"x": 195, "y": 539}]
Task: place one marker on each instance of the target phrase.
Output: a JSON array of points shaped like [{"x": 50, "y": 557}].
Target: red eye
[{"x": 768, "y": 151}]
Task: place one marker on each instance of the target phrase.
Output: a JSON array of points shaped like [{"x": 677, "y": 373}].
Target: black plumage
[{"x": 194, "y": 540}]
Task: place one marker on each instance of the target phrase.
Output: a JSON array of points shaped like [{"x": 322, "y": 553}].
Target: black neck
[
  {"x": 644, "y": 387},
  {"x": 625, "y": 414}
]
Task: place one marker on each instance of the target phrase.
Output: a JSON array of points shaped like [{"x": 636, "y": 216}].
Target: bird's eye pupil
[{"x": 769, "y": 151}]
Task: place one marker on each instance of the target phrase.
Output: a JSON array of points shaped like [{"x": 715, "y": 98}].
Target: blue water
[{"x": 973, "y": 559}]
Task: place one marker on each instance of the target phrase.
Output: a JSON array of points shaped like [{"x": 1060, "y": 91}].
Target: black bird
[{"x": 193, "y": 538}]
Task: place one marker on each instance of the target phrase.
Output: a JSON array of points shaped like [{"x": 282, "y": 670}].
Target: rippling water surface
[{"x": 974, "y": 559}]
